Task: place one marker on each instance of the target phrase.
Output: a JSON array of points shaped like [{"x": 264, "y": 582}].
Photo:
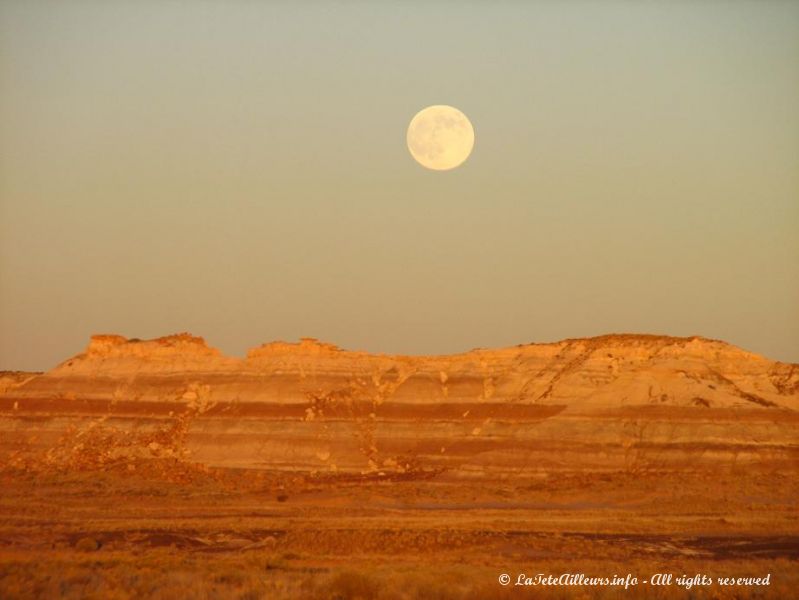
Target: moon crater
[{"x": 440, "y": 137}]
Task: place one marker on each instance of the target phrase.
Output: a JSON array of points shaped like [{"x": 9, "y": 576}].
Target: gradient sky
[{"x": 239, "y": 170}]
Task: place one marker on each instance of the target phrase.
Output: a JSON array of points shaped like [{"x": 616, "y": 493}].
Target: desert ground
[{"x": 164, "y": 469}]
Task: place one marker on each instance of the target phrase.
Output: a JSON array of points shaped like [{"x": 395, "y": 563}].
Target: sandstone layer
[
  {"x": 610, "y": 402},
  {"x": 162, "y": 467},
  {"x": 601, "y": 372}
]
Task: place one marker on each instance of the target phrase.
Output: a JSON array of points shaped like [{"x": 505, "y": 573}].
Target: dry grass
[
  {"x": 164, "y": 574},
  {"x": 76, "y": 521}
]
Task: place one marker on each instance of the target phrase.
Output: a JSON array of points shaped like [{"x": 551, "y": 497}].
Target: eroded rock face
[
  {"x": 612, "y": 402},
  {"x": 582, "y": 374},
  {"x": 181, "y": 345},
  {"x": 10, "y": 380}
]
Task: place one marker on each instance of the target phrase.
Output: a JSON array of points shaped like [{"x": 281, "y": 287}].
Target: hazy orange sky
[{"x": 239, "y": 170}]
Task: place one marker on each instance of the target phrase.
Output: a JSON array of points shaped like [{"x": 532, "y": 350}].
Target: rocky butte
[{"x": 614, "y": 401}]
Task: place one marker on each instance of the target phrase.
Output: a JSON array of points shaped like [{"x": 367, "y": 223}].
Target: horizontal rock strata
[{"x": 610, "y": 402}]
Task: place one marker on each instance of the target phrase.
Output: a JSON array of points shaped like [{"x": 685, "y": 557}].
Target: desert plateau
[{"x": 162, "y": 468}]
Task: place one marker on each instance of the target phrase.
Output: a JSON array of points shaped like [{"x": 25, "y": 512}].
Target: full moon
[{"x": 440, "y": 137}]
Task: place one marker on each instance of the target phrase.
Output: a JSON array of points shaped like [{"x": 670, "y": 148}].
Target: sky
[{"x": 239, "y": 170}]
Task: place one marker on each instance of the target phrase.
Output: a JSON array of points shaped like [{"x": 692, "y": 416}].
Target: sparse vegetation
[
  {"x": 122, "y": 509},
  {"x": 87, "y": 544}
]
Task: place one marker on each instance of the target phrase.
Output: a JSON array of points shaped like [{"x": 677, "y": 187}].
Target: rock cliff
[
  {"x": 581, "y": 374},
  {"x": 627, "y": 402}
]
